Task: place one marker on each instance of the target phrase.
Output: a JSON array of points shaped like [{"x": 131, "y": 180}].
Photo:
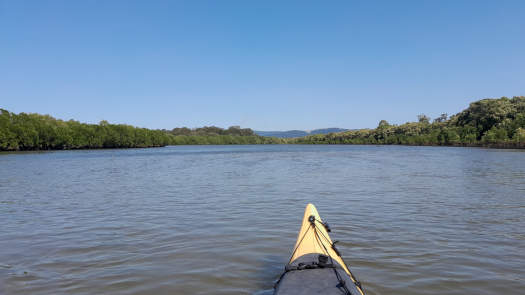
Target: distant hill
[{"x": 298, "y": 133}]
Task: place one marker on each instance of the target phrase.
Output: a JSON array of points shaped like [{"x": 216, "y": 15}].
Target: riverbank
[
  {"x": 498, "y": 123},
  {"x": 492, "y": 123},
  {"x": 31, "y": 132},
  {"x": 489, "y": 146}
]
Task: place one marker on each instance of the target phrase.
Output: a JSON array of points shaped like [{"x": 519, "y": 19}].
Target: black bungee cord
[{"x": 354, "y": 279}]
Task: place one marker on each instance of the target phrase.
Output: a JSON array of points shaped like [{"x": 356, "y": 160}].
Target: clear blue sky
[{"x": 267, "y": 65}]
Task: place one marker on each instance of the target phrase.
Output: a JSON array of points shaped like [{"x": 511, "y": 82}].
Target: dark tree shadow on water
[{"x": 270, "y": 270}]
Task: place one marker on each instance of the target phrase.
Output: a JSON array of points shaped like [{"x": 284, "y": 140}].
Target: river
[{"x": 224, "y": 219}]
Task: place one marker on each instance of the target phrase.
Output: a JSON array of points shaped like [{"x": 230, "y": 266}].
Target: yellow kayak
[{"x": 316, "y": 266}]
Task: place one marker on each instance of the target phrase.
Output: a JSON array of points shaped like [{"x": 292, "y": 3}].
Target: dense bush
[
  {"x": 42, "y": 132},
  {"x": 212, "y": 131},
  {"x": 488, "y": 122}
]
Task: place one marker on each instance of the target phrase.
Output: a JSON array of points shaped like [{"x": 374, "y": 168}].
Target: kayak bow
[{"x": 316, "y": 266}]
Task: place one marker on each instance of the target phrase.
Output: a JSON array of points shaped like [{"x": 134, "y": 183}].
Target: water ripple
[{"x": 223, "y": 219}]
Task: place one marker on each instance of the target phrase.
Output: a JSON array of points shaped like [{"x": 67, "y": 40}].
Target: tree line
[
  {"x": 487, "y": 122},
  {"x": 212, "y": 131},
  {"x": 22, "y": 132}
]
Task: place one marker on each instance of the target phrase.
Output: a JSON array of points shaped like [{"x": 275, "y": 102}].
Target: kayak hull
[{"x": 316, "y": 266}]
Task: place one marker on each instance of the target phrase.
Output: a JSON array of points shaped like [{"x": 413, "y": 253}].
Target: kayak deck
[{"x": 316, "y": 266}]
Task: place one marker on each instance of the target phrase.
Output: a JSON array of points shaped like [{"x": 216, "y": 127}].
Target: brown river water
[{"x": 224, "y": 219}]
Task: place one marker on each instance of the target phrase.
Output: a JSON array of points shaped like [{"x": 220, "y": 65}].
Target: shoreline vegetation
[
  {"x": 498, "y": 123},
  {"x": 30, "y": 132}
]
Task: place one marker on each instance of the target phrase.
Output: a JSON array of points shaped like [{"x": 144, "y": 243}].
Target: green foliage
[
  {"x": 519, "y": 137},
  {"x": 224, "y": 139},
  {"x": 423, "y": 119},
  {"x": 43, "y": 132},
  {"x": 219, "y": 136},
  {"x": 487, "y": 113},
  {"x": 490, "y": 122},
  {"x": 495, "y": 135},
  {"x": 213, "y": 131}
]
